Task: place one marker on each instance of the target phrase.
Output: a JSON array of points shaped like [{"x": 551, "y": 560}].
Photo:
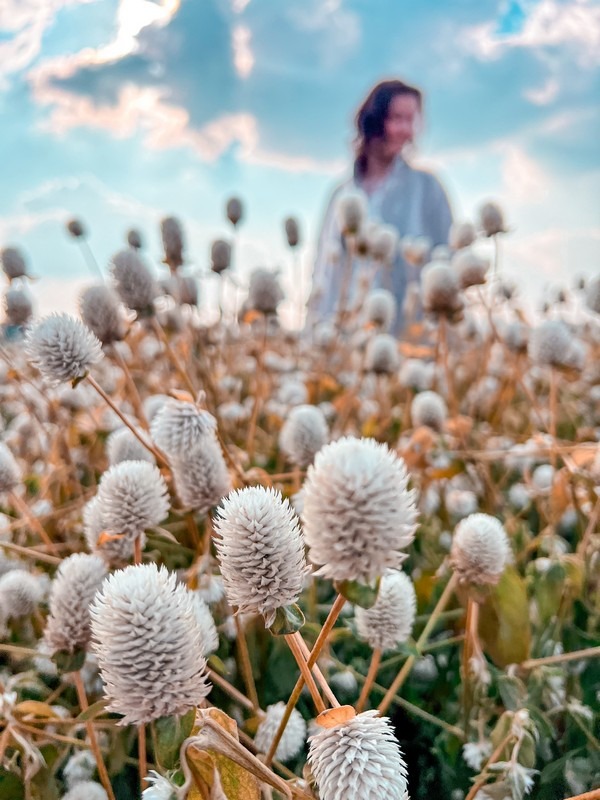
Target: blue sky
[{"x": 122, "y": 111}]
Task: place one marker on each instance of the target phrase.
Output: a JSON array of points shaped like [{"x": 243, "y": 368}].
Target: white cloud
[
  {"x": 575, "y": 25},
  {"x": 243, "y": 57},
  {"x": 238, "y": 6},
  {"x": 545, "y": 94}
]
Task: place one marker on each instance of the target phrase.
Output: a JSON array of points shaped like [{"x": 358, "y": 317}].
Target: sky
[{"x": 120, "y": 112}]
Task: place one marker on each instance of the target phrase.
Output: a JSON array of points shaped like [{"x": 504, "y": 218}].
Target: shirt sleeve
[
  {"x": 322, "y": 296},
  {"x": 438, "y": 213}
]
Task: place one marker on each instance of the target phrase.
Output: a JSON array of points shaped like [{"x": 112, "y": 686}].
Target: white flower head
[
  {"x": 159, "y": 788},
  {"x": 209, "y": 638},
  {"x": 13, "y": 263},
  {"x": 480, "y": 549},
  {"x": 10, "y": 474},
  {"x": 101, "y": 311},
  {"x": 180, "y": 428},
  {"x": 117, "y": 551},
  {"x": 264, "y": 291},
  {"x": 553, "y": 344},
  {"x": 383, "y": 243},
  {"x": 360, "y": 758},
  {"x": 201, "y": 479},
  {"x": 303, "y": 434},
  {"x": 294, "y": 735},
  {"x": 382, "y": 355},
  {"x": 122, "y": 445},
  {"x": 359, "y": 514},
  {"x": 475, "y": 753},
  {"x": 134, "y": 284},
  {"x": 132, "y": 497},
  {"x": 62, "y": 348},
  {"x": 20, "y": 593},
  {"x": 86, "y": 790},
  {"x": 429, "y": 408},
  {"x": 390, "y": 621},
  {"x": 416, "y": 374},
  {"x": 220, "y": 256},
  {"x": 352, "y": 208},
  {"x": 80, "y": 767},
  {"x": 471, "y": 268},
  {"x": 380, "y": 308},
  {"x": 491, "y": 219},
  {"x": 462, "y": 234},
  {"x": 416, "y": 249},
  {"x": 74, "y": 587},
  {"x": 18, "y": 306},
  {"x": 234, "y": 210},
  {"x": 172, "y": 239},
  {"x": 440, "y": 289},
  {"x": 260, "y": 551},
  {"x": 147, "y": 641}
]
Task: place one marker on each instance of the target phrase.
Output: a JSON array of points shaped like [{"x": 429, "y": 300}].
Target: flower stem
[
  {"x": 491, "y": 760},
  {"x": 143, "y": 761},
  {"x": 317, "y": 672},
  {"x": 306, "y": 673},
  {"x": 179, "y": 367},
  {"x": 371, "y": 675},
  {"x": 245, "y": 663},
  {"x": 422, "y": 640},
  {"x": 91, "y": 732},
  {"x": 314, "y": 654},
  {"x": 589, "y": 652},
  {"x": 32, "y": 520}
]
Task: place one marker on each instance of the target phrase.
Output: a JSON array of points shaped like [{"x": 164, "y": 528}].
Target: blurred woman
[{"x": 411, "y": 200}]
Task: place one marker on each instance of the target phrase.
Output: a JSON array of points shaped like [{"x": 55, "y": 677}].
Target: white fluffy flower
[
  {"x": 470, "y": 268},
  {"x": 80, "y": 767},
  {"x": 77, "y": 580},
  {"x": 260, "y": 551},
  {"x": 18, "y": 305},
  {"x": 147, "y": 641},
  {"x": 543, "y": 478},
  {"x": 20, "y": 593},
  {"x": 416, "y": 249},
  {"x": 159, "y": 788},
  {"x": 352, "y": 208},
  {"x": 383, "y": 243},
  {"x": 132, "y": 497},
  {"x": 491, "y": 219},
  {"x": 264, "y": 291},
  {"x": 293, "y": 737},
  {"x": 462, "y": 234},
  {"x": 345, "y": 681},
  {"x": 382, "y": 354},
  {"x": 13, "y": 263},
  {"x": 553, "y": 344},
  {"x": 380, "y": 308},
  {"x": 390, "y": 621},
  {"x": 475, "y": 753},
  {"x": 62, "y": 348},
  {"x": 10, "y": 474},
  {"x": 303, "y": 434},
  {"x": 86, "y": 790},
  {"x": 416, "y": 374},
  {"x": 220, "y": 256},
  {"x": 172, "y": 239},
  {"x": 134, "y": 283},
  {"x": 440, "y": 289},
  {"x": 480, "y": 549},
  {"x": 358, "y": 512},
  {"x": 461, "y": 502},
  {"x": 179, "y": 428},
  {"x": 100, "y": 310},
  {"x": 201, "y": 479},
  {"x": 360, "y": 758},
  {"x": 117, "y": 551},
  {"x": 122, "y": 445},
  {"x": 428, "y": 408},
  {"x": 209, "y": 638},
  {"x": 516, "y": 336}
]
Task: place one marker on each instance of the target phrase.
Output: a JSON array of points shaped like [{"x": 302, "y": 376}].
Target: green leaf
[
  {"x": 94, "y": 710},
  {"x": 359, "y": 593},
  {"x": 512, "y": 691},
  {"x": 76, "y": 381},
  {"x": 168, "y": 735},
  {"x": 11, "y": 787},
  {"x": 288, "y": 619},
  {"x": 69, "y": 662},
  {"x": 504, "y": 626}
]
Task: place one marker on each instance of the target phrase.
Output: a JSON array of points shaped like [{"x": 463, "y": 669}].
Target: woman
[{"x": 411, "y": 200}]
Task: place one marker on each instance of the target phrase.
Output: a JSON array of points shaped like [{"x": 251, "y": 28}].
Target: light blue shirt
[{"x": 411, "y": 200}]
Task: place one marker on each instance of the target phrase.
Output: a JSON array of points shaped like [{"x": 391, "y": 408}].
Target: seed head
[
  {"x": 74, "y": 587},
  {"x": 147, "y": 641},
  {"x": 360, "y": 758},
  {"x": 292, "y": 232},
  {"x": 480, "y": 549},
  {"x": 180, "y": 428},
  {"x": 122, "y": 445},
  {"x": 209, "y": 638},
  {"x": 470, "y": 268},
  {"x": 440, "y": 290},
  {"x": 383, "y": 243},
  {"x": 20, "y": 593},
  {"x": 134, "y": 239},
  {"x": 491, "y": 219},
  {"x": 62, "y": 348},
  {"x": 260, "y": 551},
  {"x": 552, "y": 344},
  {"x": 358, "y": 513},
  {"x": 390, "y": 621},
  {"x": 76, "y": 228},
  {"x": 352, "y": 208},
  {"x": 303, "y": 434}
]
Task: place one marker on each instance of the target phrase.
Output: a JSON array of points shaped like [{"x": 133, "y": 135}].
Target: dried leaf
[{"x": 504, "y": 626}]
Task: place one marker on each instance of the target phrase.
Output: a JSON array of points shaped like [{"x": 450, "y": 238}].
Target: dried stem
[
  {"x": 306, "y": 673},
  {"x": 371, "y": 675},
  {"x": 321, "y": 680},
  {"x": 553, "y": 401},
  {"x": 32, "y": 521},
  {"x": 135, "y": 395},
  {"x": 91, "y": 732},
  {"x": 175, "y": 360},
  {"x": 257, "y": 393},
  {"x": 491, "y": 760},
  {"x": 245, "y": 663},
  {"x": 143, "y": 761},
  {"x": 422, "y": 640},
  {"x": 314, "y": 654},
  {"x": 588, "y": 652}
]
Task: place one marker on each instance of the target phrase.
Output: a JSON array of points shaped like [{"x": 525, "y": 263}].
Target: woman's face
[{"x": 401, "y": 122}]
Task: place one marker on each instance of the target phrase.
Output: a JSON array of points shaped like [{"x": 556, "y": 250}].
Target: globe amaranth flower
[
  {"x": 462, "y": 234},
  {"x": 18, "y": 306},
  {"x": 294, "y": 735},
  {"x": 101, "y": 311},
  {"x": 358, "y": 514},
  {"x": 117, "y": 551},
  {"x": 292, "y": 231},
  {"x": 10, "y": 474},
  {"x": 440, "y": 290},
  {"x": 122, "y": 445},
  {"x": 62, "y": 348},
  {"x": 209, "y": 637},
  {"x": 234, "y": 210},
  {"x": 86, "y": 790},
  {"x": 303, "y": 434},
  {"x": 172, "y": 239},
  {"x": 20, "y": 593},
  {"x": 380, "y": 308},
  {"x": 179, "y": 428},
  {"x": 553, "y": 344},
  {"x": 382, "y": 355},
  {"x": 352, "y": 208},
  {"x": 470, "y": 268},
  {"x": 260, "y": 550},
  {"x": 147, "y": 641},
  {"x": 134, "y": 284},
  {"x": 428, "y": 408},
  {"x": 390, "y": 621},
  {"x": 74, "y": 587},
  {"x": 480, "y": 549},
  {"x": 491, "y": 219},
  {"x": 220, "y": 256},
  {"x": 264, "y": 291},
  {"x": 360, "y": 758}
]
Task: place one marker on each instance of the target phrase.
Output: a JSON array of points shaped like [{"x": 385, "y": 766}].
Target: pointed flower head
[
  {"x": 62, "y": 348},
  {"x": 147, "y": 642},
  {"x": 10, "y": 474},
  {"x": 428, "y": 408},
  {"x": 382, "y": 355},
  {"x": 360, "y": 758},
  {"x": 122, "y": 445},
  {"x": 303, "y": 434},
  {"x": 390, "y": 621},
  {"x": 20, "y": 593},
  {"x": 260, "y": 551},
  {"x": 480, "y": 549},
  {"x": 74, "y": 587},
  {"x": 134, "y": 284},
  {"x": 180, "y": 428},
  {"x": 202, "y": 478},
  {"x": 293, "y": 737},
  {"x": 132, "y": 497},
  {"x": 172, "y": 239},
  {"x": 359, "y": 514},
  {"x": 100, "y": 310},
  {"x": 209, "y": 638}
]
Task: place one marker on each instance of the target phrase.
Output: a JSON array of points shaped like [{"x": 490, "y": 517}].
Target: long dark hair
[{"x": 371, "y": 116}]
